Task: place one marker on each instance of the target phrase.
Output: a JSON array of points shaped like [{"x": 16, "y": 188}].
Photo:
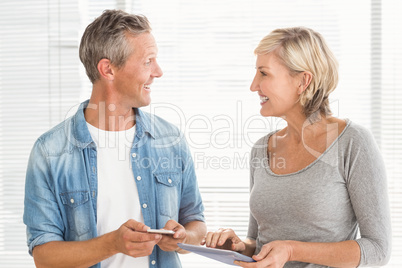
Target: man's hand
[
  {"x": 169, "y": 242},
  {"x": 133, "y": 240}
]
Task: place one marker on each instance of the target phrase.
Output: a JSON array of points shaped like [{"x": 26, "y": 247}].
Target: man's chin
[{"x": 143, "y": 103}]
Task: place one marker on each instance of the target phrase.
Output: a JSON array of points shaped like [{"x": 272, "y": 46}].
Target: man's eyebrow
[{"x": 153, "y": 53}]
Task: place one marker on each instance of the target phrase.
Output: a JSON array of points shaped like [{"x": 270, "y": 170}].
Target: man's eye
[{"x": 148, "y": 63}]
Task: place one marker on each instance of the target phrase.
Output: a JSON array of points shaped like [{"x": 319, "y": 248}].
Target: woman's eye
[{"x": 263, "y": 74}]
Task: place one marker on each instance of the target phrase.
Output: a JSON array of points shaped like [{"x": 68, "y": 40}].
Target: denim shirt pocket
[
  {"x": 77, "y": 209},
  {"x": 167, "y": 188}
]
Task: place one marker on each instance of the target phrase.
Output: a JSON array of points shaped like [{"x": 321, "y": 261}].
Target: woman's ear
[
  {"x": 105, "y": 69},
  {"x": 305, "y": 81}
]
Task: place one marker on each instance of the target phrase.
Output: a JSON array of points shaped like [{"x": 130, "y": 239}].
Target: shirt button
[
  {"x": 133, "y": 154},
  {"x": 72, "y": 200},
  {"x": 144, "y": 205},
  {"x": 153, "y": 262},
  {"x": 170, "y": 180},
  {"x": 138, "y": 178}
]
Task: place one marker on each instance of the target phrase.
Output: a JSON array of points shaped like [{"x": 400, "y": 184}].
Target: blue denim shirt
[{"x": 61, "y": 182}]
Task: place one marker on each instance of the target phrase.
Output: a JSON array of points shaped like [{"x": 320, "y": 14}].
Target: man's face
[{"x": 133, "y": 80}]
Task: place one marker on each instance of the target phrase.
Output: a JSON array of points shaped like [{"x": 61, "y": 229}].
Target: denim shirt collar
[
  {"x": 82, "y": 136},
  {"x": 143, "y": 123}
]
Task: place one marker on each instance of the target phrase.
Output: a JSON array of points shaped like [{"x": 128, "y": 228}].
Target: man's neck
[{"x": 109, "y": 114}]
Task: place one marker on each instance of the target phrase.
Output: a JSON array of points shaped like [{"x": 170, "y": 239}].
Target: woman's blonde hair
[{"x": 301, "y": 49}]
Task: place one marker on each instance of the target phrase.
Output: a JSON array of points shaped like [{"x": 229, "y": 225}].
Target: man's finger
[
  {"x": 136, "y": 226},
  {"x": 140, "y": 237},
  {"x": 170, "y": 225}
]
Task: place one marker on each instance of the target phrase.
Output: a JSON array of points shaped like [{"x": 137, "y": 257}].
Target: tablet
[{"x": 222, "y": 255}]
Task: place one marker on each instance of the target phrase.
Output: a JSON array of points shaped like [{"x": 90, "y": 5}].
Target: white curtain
[{"x": 206, "y": 53}]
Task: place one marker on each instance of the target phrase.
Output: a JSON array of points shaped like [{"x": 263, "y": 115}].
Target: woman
[{"x": 318, "y": 180}]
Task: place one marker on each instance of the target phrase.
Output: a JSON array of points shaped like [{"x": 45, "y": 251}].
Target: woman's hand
[
  {"x": 273, "y": 255},
  {"x": 224, "y": 238}
]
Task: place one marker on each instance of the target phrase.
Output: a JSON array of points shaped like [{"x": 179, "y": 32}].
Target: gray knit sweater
[{"x": 341, "y": 193}]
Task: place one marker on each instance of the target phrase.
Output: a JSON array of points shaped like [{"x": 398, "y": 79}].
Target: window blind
[
  {"x": 206, "y": 53},
  {"x": 38, "y": 83},
  {"x": 391, "y": 111}
]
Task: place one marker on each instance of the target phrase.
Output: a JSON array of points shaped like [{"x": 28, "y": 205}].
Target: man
[{"x": 96, "y": 182}]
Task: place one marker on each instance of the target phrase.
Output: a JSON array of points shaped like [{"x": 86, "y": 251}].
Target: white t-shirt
[{"x": 118, "y": 199}]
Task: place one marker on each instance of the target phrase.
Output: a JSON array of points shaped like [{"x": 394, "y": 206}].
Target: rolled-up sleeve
[
  {"x": 191, "y": 206},
  {"x": 41, "y": 212}
]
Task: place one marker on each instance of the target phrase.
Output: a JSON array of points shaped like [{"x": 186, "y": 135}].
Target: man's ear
[
  {"x": 304, "y": 81},
  {"x": 105, "y": 69}
]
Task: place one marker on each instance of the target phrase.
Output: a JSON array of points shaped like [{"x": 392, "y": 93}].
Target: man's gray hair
[{"x": 106, "y": 38}]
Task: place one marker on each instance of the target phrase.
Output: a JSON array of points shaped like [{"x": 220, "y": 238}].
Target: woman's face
[{"x": 278, "y": 90}]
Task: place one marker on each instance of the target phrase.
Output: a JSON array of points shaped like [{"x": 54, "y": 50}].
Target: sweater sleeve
[
  {"x": 367, "y": 187},
  {"x": 252, "y": 225}
]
